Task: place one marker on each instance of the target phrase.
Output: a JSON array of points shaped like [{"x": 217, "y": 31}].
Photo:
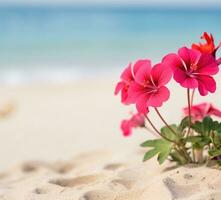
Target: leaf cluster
[{"x": 204, "y": 136}]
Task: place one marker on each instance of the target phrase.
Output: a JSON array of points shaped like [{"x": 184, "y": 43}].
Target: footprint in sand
[
  {"x": 180, "y": 191},
  {"x": 113, "y": 166},
  {"x": 59, "y": 167},
  {"x": 46, "y": 189},
  {"x": 62, "y": 167},
  {"x": 40, "y": 191},
  {"x": 98, "y": 195},
  {"x": 32, "y": 166},
  {"x": 119, "y": 184},
  {"x": 77, "y": 181},
  {"x": 107, "y": 195}
]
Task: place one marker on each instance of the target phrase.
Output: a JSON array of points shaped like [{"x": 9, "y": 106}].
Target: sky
[{"x": 123, "y": 2}]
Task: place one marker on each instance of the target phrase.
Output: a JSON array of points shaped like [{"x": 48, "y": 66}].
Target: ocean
[{"x": 51, "y": 43}]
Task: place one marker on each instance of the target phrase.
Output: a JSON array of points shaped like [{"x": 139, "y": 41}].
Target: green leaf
[
  {"x": 193, "y": 139},
  {"x": 160, "y": 147},
  {"x": 206, "y": 126},
  {"x": 163, "y": 155},
  {"x": 176, "y": 157},
  {"x": 168, "y": 133},
  {"x": 157, "y": 143},
  {"x": 215, "y": 152},
  {"x": 218, "y": 128},
  {"x": 217, "y": 140},
  {"x": 198, "y": 127},
  {"x": 148, "y": 155},
  {"x": 198, "y": 141},
  {"x": 183, "y": 124},
  {"x": 149, "y": 143}
]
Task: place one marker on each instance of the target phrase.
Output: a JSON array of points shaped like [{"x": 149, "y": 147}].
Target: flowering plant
[{"x": 197, "y": 138}]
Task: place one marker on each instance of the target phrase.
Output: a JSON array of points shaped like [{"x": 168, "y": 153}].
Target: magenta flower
[
  {"x": 199, "y": 111},
  {"x": 127, "y": 77},
  {"x": 193, "y": 69},
  {"x": 148, "y": 88},
  {"x": 137, "y": 120}
]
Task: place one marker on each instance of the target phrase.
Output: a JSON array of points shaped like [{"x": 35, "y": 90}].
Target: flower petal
[
  {"x": 161, "y": 74},
  {"x": 179, "y": 75},
  {"x": 173, "y": 61},
  {"x": 189, "y": 56},
  {"x": 126, "y": 128},
  {"x": 207, "y": 37},
  {"x": 207, "y": 65},
  {"x": 206, "y": 84},
  {"x": 214, "y": 111},
  {"x": 119, "y": 87},
  {"x": 190, "y": 83},
  {"x": 127, "y": 75},
  {"x": 135, "y": 90},
  {"x": 137, "y": 120},
  {"x": 124, "y": 95},
  {"x": 143, "y": 74},
  {"x": 156, "y": 99},
  {"x": 141, "y": 104},
  {"x": 196, "y": 46},
  {"x": 139, "y": 64},
  {"x": 198, "y": 111}
]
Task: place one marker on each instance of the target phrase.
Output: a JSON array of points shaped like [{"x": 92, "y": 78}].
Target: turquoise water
[{"x": 71, "y": 42}]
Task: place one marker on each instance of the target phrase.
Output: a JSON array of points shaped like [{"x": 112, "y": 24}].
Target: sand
[
  {"x": 99, "y": 175},
  {"x": 63, "y": 142}
]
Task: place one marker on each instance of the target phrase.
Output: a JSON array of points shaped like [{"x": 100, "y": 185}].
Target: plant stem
[
  {"x": 168, "y": 126},
  {"x": 212, "y": 135},
  {"x": 187, "y": 155},
  {"x": 194, "y": 157},
  {"x": 183, "y": 153},
  {"x": 192, "y": 97},
  {"x": 158, "y": 132},
  {"x": 189, "y": 110},
  {"x": 179, "y": 144}
]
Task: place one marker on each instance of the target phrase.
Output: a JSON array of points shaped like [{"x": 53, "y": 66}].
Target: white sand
[
  {"x": 103, "y": 176},
  {"x": 52, "y": 122}
]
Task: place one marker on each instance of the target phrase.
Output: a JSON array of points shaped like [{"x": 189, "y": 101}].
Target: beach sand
[
  {"x": 101, "y": 175},
  {"x": 63, "y": 142}
]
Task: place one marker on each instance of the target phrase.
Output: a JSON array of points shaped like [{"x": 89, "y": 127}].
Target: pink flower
[
  {"x": 148, "y": 88},
  {"x": 127, "y": 77},
  {"x": 137, "y": 120},
  {"x": 199, "y": 111},
  {"x": 193, "y": 69}
]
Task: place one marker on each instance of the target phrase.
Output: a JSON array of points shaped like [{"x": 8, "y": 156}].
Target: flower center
[
  {"x": 193, "y": 67},
  {"x": 191, "y": 70},
  {"x": 150, "y": 86}
]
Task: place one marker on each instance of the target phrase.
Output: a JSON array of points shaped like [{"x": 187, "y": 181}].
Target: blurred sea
[{"x": 43, "y": 43}]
